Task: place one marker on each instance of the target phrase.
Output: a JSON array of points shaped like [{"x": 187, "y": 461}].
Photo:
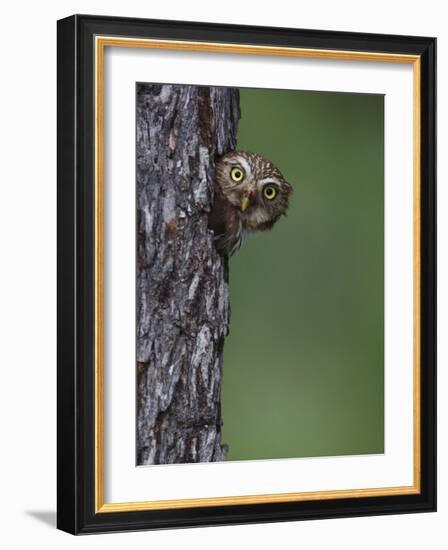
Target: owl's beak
[
  {"x": 244, "y": 202},
  {"x": 247, "y": 197}
]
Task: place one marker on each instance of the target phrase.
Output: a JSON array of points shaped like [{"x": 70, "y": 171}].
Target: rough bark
[{"x": 182, "y": 285}]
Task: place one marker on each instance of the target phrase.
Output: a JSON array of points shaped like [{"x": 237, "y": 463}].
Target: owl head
[{"x": 254, "y": 187}]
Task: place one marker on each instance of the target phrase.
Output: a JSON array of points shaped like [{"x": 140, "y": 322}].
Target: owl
[{"x": 250, "y": 195}]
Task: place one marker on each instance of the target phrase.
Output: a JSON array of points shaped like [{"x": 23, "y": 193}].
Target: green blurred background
[{"x": 303, "y": 364}]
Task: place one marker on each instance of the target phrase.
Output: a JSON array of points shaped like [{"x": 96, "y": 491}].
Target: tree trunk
[{"x": 182, "y": 285}]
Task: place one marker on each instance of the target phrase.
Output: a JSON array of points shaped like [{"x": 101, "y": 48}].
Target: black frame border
[{"x": 75, "y": 272}]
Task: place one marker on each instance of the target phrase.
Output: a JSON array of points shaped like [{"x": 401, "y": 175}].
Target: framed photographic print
[{"x": 246, "y": 274}]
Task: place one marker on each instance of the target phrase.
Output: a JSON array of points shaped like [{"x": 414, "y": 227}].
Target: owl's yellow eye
[
  {"x": 270, "y": 192},
  {"x": 237, "y": 174}
]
